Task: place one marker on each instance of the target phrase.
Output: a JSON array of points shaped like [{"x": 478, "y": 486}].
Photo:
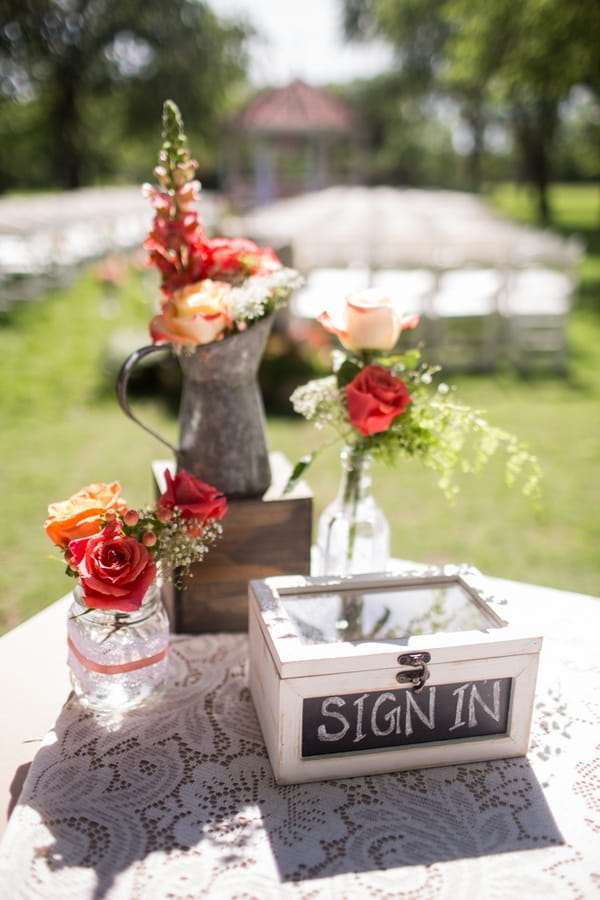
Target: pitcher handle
[{"x": 123, "y": 381}]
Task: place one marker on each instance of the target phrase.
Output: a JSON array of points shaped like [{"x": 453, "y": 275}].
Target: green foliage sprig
[{"x": 444, "y": 434}]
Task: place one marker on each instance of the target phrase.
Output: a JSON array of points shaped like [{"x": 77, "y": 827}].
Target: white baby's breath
[
  {"x": 259, "y": 294},
  {"x": 179, "y": 548},
  {"x": 319, "y": 401}
]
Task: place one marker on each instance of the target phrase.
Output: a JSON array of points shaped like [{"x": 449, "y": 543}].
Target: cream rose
[
  {"x": 368, "y": 320},
  {"x": 196, "y": 314}
]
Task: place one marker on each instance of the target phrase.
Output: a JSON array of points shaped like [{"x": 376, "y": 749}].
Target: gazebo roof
[{"x": 297, "y": 108}]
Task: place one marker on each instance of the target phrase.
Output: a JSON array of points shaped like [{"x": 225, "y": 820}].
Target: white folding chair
[
  {"x": 465, "y": 323},
  {"x": 535, "y": 309},
  {"x": 414, "y": 288},
  {"x": 322, "y": 286}
]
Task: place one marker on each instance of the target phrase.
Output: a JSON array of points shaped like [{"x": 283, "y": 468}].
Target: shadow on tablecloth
[{"x": 186, "y": 786}]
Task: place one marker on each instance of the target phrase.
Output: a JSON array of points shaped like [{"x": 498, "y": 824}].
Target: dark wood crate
[{"x": 261, "y": 537}]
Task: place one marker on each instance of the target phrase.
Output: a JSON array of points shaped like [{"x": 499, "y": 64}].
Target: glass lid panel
[{"x": 385, "y": 614}]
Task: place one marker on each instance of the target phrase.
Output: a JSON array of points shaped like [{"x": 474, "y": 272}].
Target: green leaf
[
  {"x": 411, "y": 358},
  {"x": 297, "y": 472},
  {"x": 347, "y": 372}
]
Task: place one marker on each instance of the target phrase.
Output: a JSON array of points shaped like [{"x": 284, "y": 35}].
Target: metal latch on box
[{"x": 418, "y": 673}]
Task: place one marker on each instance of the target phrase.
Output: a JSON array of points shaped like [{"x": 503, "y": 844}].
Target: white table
[
  {"x": 34, "y": 684},
  {"x": 179, "y": 800}
]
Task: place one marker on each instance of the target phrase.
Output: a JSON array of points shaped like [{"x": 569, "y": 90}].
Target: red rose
[
  {"x": 195, "y": 499},
  {"x": 115, "y": 571},
  {"x": 375, "y": 398},
  {"x": 230, "y": 258}
]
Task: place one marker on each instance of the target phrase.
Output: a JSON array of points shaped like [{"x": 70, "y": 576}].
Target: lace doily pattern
[{"x": 179, "y": 801}]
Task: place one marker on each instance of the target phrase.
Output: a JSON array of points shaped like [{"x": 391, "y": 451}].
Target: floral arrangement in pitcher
[
  {"x": 383, "y": 402},
  {"x": 116, "y": 552},
  {"x": 211, "y": 287}
]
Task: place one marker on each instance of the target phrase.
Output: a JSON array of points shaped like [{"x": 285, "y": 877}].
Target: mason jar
[{"x": 118, "y": 660}]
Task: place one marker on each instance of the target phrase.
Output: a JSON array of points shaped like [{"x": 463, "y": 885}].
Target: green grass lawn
[{"x": 62, "y": 428}]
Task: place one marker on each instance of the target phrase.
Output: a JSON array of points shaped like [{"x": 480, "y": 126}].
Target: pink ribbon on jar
[{"x": 118, "y": 669}]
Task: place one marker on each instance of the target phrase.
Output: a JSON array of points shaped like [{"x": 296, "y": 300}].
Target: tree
[
  {"x": 94, "y": 73},
  {"x": 519, "y": 59},
  {"x": 529, "y": 55},
  {"x": 419, "y": 31},
  {"x": 408, "y": 142}
]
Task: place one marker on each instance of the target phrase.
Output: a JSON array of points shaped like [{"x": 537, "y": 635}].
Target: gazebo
[{"x": 288, "y": 141}]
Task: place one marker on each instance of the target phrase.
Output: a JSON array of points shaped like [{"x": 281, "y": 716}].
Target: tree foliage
[
  {"x": 529, "y": 56},
  {"x": 409, "y": 143},
  {"x": 517, "y": 62},
  {"x": 82, "y": 83}
]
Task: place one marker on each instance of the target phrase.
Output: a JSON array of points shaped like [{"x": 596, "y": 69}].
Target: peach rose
[
  {"x": 368, "y": 320},
  {"x": 82, "y": 514},
  {"x": 196, "y": 314}
]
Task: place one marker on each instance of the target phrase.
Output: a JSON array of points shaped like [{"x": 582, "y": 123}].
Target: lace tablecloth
[{"x": 179, "y": 801}]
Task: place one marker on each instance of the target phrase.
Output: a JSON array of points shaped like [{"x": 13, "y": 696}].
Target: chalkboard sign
[{"x": 376, "y": 720}]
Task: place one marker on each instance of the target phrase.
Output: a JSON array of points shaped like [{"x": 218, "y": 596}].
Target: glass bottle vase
[
  {"x": 353, "y": 534},
  {"x": 118, "y": 660}
]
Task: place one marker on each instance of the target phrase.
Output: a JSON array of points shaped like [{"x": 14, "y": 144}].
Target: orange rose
[
  {"x": 368, "y": 320},
  {"x": 196, "y": 314},
  {"x": 82, "y": 514}
]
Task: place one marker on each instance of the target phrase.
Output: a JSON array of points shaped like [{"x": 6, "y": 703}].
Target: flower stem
[{"x": 354, "y": 468}]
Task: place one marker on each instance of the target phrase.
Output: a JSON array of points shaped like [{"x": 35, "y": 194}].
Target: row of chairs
[
  {"x": 33, "y": 262},
  {"x": 471, "y": 318}
]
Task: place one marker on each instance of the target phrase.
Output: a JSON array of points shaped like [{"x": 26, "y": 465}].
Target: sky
[{"x": 302, "y": 39}]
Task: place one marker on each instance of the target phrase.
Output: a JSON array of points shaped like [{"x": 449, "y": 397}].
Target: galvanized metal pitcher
[{"x": 222, "y": 428}]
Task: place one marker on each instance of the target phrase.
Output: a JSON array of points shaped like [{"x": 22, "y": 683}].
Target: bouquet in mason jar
[
  {"x": 116, "y": 552},
  {"x": 117, "y": 626}
]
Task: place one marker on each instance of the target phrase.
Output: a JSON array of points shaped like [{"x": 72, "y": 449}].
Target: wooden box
[
  {"x": 378, "y": 673},
  {"x": 264, "y": 537}
]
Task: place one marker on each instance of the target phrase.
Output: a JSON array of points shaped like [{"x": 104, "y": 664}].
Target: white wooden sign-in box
[{"x": 377, "y": 673}]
